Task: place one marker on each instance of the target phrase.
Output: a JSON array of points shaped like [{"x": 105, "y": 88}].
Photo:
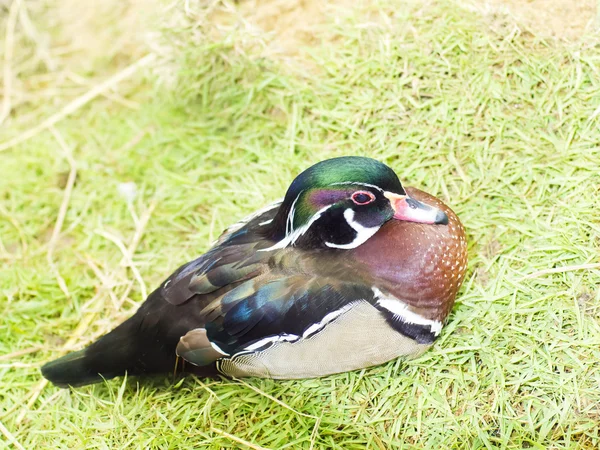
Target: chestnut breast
[{"x": 422, "y": 265}]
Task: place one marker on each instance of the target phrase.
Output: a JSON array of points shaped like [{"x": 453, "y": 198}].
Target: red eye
[{"x": 362, "y": 197}]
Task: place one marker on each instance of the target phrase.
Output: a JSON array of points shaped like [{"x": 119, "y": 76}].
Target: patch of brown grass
[{"x": 569, "y": 19}]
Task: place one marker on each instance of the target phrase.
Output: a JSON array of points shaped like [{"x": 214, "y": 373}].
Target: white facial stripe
[
  {"x": 400, "y": 310},
  {"x": 296, "y": 234},
  {"x": 357, "y": 183},
  {"x": 362, "y": 233},
  {"x": 289, "y": 224},
  {"x": 266, "y": 222},
  {"x": 292, "y": 235}
]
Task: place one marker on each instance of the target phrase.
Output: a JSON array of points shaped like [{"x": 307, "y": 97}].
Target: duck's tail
[
  {"x": 140, "y": 345},
  {"x": 110, "y": 356}
]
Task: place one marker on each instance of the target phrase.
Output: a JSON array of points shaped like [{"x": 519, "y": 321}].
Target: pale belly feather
[{"x": 359, "y": 338}]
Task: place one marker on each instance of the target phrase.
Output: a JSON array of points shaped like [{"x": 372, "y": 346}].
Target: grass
[{"x": 498, "y": 123}]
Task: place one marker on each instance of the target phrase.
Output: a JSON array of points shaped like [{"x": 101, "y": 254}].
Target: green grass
[{"x": 499, "y": 124}]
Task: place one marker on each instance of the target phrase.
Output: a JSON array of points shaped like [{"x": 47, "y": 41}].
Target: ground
[
  {"x": 557, "y": 18},
  {"x": 133, "y": 133}
]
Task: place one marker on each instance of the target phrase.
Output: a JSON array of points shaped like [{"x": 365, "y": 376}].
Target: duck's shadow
[{"x": 134, "y": 386}]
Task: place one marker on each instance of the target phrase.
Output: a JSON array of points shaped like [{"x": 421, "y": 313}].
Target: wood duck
[{"x": 350, "y": 270}]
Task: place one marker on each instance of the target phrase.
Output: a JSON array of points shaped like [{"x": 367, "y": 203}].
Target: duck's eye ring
[{"x": 363, "y": 197}]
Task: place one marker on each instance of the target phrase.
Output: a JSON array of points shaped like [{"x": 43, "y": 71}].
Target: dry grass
[
  {"x": 98, "y": 205},
  {"x": 569, "y": 19}
]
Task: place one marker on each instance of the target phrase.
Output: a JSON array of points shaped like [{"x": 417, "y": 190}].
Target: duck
[{"x": 349, "y": 270}]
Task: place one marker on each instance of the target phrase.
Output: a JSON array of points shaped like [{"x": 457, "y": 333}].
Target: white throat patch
[{"x": 362, "y": 233}]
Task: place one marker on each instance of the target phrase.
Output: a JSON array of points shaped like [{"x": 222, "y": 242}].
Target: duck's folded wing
[
  {"x": 235, "y": 257},
  {"x": 260, "y": 312}
]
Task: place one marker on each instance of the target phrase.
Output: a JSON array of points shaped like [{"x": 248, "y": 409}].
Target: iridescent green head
[{"x": 342, "y": 202}]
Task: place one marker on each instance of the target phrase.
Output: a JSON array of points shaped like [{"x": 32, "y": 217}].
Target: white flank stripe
[
  {"x": 401, "y": 310},
  {"x": 325, "y": 320},
  {"x": 277, "y": 338},
  {"x": 314, "y": 328},
  {"x": 362, "y": 233},
  {"x": 216, "y": 347}
]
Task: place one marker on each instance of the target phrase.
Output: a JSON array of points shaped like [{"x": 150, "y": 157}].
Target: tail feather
[
  {"x": 112, "y": 355},
  {"x": 70, "y": 370},
  {"x": 143, "y": 344}
]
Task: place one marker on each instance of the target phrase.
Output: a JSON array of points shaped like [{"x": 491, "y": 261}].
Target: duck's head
[{"x": 341, "y": 202}]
